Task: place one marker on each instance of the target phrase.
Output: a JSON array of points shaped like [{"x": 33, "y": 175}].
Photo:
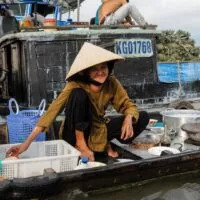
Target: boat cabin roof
[{"x": 50, "y": 35}]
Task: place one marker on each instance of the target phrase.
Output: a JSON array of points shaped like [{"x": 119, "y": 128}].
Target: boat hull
[{"x": 88, "y": 180}]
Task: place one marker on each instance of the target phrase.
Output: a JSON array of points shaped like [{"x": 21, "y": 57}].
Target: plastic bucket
[{"x": 62, "y": 23}]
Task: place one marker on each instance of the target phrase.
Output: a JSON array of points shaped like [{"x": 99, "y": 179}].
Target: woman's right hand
[
  {"x": 17, "y": 149},
  {"x": 20, "y": 148}
]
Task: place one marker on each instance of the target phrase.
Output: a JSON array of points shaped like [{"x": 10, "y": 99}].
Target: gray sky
[{"x": 167, "y": 14}]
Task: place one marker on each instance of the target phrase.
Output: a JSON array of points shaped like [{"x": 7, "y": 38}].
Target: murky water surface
[{"x": 185, "y": 187}]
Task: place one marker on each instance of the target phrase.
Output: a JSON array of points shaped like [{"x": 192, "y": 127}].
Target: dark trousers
[
  {"x": 115, "y": 125},
  {"x": 78, "y": 117}
]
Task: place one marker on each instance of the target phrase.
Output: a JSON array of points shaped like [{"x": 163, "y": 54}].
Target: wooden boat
[
  {"x": 33, "y": 52},
  {"x": 37, "y": 56},
  {"x": 114, "y": 174},
  {"x": 33, "y": 66}
]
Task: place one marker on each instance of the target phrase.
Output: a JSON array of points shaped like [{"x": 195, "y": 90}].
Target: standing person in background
[
  {"x": 91, "y": 87},
  {"x": 114, "y": 12}
]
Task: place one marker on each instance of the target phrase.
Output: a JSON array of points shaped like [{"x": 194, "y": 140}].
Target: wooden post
[{"x": 78, "y": 10}]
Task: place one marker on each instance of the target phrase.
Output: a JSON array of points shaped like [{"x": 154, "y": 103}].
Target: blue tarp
[{"x": 183, "y": 71}]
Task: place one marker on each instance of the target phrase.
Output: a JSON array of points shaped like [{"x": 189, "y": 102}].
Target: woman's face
[{"x": 99, "y": 72}]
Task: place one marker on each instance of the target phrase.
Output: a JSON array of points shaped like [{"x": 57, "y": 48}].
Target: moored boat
[
  {"x": 134, "y": 169},
  {"x": 33, "y": 67}
]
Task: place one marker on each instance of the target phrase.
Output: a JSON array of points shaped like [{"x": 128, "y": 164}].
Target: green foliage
[{"x": 175, "y": 46}]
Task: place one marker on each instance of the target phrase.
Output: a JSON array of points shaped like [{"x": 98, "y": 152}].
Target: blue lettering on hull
[{"x": 134, "y": 47}]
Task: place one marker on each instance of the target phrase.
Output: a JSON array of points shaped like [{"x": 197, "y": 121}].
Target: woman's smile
[{"x": 99, "y": 72}]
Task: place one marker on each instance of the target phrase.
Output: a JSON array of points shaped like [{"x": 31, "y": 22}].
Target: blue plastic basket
[{"x": 21, "y": 123}]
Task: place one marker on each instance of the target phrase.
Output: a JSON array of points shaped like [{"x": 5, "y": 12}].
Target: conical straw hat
[{"x": 90, "y": 55}]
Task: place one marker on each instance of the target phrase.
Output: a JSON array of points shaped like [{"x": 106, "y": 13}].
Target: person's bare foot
[{"x": 111, "y": 153}]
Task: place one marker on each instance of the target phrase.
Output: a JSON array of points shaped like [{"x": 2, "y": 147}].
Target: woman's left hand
[{"x": 127, "y": 128}]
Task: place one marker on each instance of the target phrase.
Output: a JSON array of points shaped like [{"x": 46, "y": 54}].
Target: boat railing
[
  {"x": 85, "y": 25},
  {"x": 61, "y": 6}
]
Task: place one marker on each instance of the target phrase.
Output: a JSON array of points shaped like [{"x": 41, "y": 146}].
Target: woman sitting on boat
[
  {"x": 115, "y": 12},
  {"x": 91, "y": 87}
]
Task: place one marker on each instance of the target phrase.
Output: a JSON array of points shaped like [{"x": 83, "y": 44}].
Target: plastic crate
[{"x": 56, "y": 154}]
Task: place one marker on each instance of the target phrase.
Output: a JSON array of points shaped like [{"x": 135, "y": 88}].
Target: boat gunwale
[{"x": 104, "y": 177}]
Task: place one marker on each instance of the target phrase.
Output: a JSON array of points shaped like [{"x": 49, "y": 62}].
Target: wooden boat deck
[{"x": 133, "y": 166}]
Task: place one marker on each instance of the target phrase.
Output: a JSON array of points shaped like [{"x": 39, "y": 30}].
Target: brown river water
[{"x": 184, "y": 187}]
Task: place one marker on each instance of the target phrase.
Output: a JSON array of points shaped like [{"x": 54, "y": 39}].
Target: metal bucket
[
  {"x": 3, "y": 131},
  {"x": 192, "y": 130},
  {"x": 174, "y": 119}
]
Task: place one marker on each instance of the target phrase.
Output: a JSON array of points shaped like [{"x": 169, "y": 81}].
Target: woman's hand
[
  {"x": 127, "y": 128},
  {"x": 82, "y": 146},
  {"x": 86, "y": 152},
  {"x": 17, "y": 149}
]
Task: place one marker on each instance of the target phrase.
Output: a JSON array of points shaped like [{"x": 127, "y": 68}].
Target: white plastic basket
[{"x": 56, "y": 154}]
